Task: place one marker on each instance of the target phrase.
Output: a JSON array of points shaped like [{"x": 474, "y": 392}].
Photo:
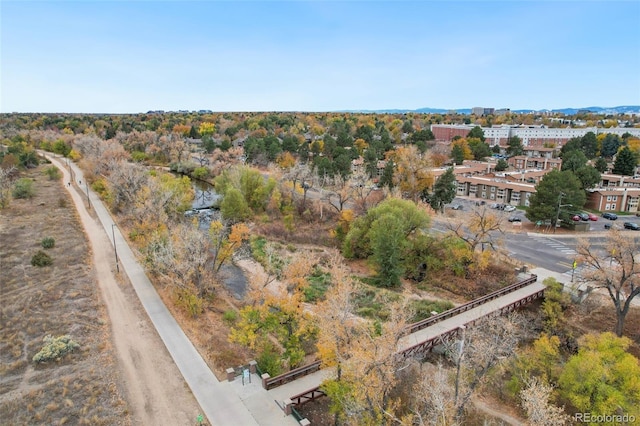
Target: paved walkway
[{"x": 221, "y": 405}]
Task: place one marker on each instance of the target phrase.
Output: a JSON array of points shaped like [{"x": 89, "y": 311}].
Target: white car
[{"x": 509, "y": 208}]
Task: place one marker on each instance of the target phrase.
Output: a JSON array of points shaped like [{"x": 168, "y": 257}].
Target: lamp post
[
  {"x": 113, "y": 232},
  {"x": 555, "y": 225}
]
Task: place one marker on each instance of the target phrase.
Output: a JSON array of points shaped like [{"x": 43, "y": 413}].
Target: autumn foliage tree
[
  {"x": 603, "y": 378},
  {"x": 363, "y": 353},
  {"x": 617, "y": 271},
  {"x": 413, "y": 171},
  {"x": 277, "y": 314}
]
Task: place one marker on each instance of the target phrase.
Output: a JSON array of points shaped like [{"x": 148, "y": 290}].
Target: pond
[{"x": 205, "y": 195}]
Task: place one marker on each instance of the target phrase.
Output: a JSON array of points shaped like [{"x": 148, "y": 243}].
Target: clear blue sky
[{"x": 135, "y": 56}]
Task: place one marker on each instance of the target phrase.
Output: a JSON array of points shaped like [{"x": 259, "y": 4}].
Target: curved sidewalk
[{"x": 218, "y": 400}]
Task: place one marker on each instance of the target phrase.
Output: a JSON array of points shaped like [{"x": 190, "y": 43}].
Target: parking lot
[{"x": 516, "y": 216}]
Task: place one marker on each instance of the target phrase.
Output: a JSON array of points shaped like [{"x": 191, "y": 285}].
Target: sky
[{"x": 136, "y": 56}]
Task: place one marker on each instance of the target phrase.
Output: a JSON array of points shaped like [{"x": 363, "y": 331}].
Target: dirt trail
[{"x": 155, "y": 389}]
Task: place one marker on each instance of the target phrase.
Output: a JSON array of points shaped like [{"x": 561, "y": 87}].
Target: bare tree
[
  {"x": 434, "y": 402},
  {"x": 6, "y": 182},
  {"x": 340, "y": 197},
  {"x": 617, "y": 270},
  {"x": 303, "y": 175},
  {"x": 183, "y": 259},
  {"x": 478, "y": 350},
  {"x": 535, "y": 401},
  {"x": 125, "y": 182},
  {"x": 484, "y": 229}
]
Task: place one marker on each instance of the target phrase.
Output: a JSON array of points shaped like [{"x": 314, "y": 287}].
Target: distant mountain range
[{"x": 626, "y": 109}]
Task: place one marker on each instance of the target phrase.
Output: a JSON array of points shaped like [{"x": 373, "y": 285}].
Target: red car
[
  {"x": 592, "y": 217},
  {"x": 576, "y": 218}
]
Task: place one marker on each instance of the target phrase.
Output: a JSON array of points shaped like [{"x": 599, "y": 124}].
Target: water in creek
[{"x": 231, "y": 276}]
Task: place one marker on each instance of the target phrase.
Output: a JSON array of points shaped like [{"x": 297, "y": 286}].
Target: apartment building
[
  {"x": 524, "y": 162},
  {"x": 534, "y": 136},
  {"x": 495, "y": 189},
  {"x": 617, "y": 199}
]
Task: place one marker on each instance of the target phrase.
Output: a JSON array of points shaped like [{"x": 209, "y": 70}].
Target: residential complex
[{"x": 532, "y": 136}]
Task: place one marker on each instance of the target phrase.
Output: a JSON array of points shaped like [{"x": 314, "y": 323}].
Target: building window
[
  {"x": 607, "y": 206},
  {"x": 493, "y": 189}
]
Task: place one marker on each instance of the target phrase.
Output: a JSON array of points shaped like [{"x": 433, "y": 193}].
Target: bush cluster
[
  {"x": 23, "y": 188},
  {"x": 55, "y": 348},
  {"x": 41, "y": 259},
  {"x": 48, "y": 242}
]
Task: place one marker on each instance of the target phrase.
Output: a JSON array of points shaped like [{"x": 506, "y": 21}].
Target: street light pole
[
  {"x": 113, "y": 232},
  {"x": 555, "y": 225}
]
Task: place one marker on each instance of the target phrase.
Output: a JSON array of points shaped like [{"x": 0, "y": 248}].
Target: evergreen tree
[
  {"x": 625, "y": 163},
  {"x": 477, "y": 132},
  {"x": 555, "y": 190},
  {"x": 457, "y": 154},
  {"x": 501, "y": 165},
  {"x": 444, "y": 191},
  {"x": 387, "y": 175},
  {"x": 601, "y": 165},
  {"x": 514, "y": 146}
]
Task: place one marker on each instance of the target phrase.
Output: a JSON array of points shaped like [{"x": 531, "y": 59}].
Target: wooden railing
[
  {"x": 296, "y": 373},
  {"x": 417, "y": 326},
  {"x": 307, "y": 396}
]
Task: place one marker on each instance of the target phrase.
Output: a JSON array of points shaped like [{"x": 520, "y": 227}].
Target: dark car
[
  {"x": 584, "y": 216},
  {"x": 631, "y": 225},
  {"x": 610, "y": 216},
  {"x": 515, "y": 219}
]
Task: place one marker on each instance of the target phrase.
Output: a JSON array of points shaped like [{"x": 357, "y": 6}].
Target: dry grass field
[{"x": 84, "y": 386}]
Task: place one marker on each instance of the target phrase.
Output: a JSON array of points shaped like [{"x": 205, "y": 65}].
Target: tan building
[
  {"x": 496, "y": 189},
  {"x": 523, "y": 162}
]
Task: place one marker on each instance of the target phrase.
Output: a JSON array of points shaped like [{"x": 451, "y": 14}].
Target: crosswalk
[{"x": 555, "y": 244}]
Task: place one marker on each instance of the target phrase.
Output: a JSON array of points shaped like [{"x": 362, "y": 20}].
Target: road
[{"x": 555, "y": 252}]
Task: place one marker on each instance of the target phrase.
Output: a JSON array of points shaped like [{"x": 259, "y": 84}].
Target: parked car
[
  {"x": 631, "y": 225},
  {"x": 509, "y": 208},
  {"x": 515, "y": 219},
  {"x": 456, "y": 206},
  {"x": 576, "y": 218},
  {"x": 584, "y": 216},
  {"x": 593, "y": 217},
  {"x": 610, "y": 216},
  {"x": 494, "y": 205}
]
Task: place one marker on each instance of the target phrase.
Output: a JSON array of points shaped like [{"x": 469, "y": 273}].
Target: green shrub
[
  {"x": 55, "y": 348},
  {"x": 48, "y": 242},
  {"x": 423, "y": 308},
  {"x": 23, "y": 188},
  {"x": 41, "y": 259},
  {"x": 269, "y": 360},
  {"x": 200, "y": 172},
  {"x": 319, "y": 282},
  {"x": 189, "y": 302},
  {"x": 138, "y": 156},
  {"x": 52, "y": 172},
  {"x": 230, "y": 317}
]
